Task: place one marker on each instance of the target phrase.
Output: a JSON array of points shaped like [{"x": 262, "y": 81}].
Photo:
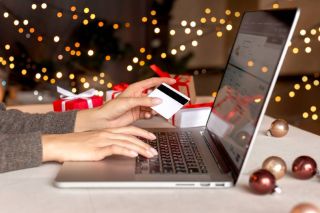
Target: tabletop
[{"x": 32, "y": 190}]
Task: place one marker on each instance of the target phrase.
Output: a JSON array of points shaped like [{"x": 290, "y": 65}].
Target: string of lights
[
  {"x": 194, "y": 31},
  {"x": 216, "y": 26},
  {"x": 307, "y": 35}
]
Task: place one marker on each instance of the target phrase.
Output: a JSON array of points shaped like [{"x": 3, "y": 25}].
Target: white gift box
[{"x": 191, "y": 117}]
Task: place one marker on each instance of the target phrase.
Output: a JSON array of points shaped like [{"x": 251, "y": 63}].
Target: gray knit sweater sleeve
[
  {"x": 16, "y": 122},
  {"x": 20, "y": 151},
  {"x": 20, "y": 136}
]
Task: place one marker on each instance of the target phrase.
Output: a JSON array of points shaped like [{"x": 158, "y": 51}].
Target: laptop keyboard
[{"x": 178, "y": 153}]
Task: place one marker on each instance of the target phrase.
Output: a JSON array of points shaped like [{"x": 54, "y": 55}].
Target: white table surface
[{"x": 31, "y": 190}]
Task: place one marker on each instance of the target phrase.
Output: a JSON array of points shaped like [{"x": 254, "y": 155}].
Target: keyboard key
[{"x": 178, "y": 153}]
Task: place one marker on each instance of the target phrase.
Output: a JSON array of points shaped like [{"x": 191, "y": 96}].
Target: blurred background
[{"x": 98, "y": 44}]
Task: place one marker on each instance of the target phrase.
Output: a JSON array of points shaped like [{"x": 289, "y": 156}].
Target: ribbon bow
[
  {"x": 178, "y": 83},
  {"x": 69, "y": 96},
  {"x": 159, "y": 71}
]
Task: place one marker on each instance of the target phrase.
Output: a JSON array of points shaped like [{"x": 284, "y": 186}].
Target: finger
[
  {"x": 134, "y": 140},
  {"x": 153, "y": 82},
  {"x": 148, "y": 109},
  {"x": 142, "y": 102},
  {"x": 136, "y": 131},
  {"x": 116, "y": 150},
  {"x": 147, "y": 115},
  {"x": 129, "y": 143},
  {"x": 122, "y": 105}
]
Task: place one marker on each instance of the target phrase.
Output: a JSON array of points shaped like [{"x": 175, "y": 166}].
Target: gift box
[
  {"x": 116, "y": 90},
  {"x": 194, "y": 115},
  {"x": 184, "y": 83},
  {"x": 70, "y": 101},
  {"x": 112, "y": 94}
]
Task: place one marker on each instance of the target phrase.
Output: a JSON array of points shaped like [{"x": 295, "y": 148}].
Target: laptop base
[{"x": 119, "y": 172}]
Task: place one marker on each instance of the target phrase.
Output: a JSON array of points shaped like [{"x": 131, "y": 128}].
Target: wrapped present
[
  {"x": 116, "y": 90},
  {"x": 194, "y": 115},
  {"x": 184, "y": 83},
  {"x": 70, "y": 101}
]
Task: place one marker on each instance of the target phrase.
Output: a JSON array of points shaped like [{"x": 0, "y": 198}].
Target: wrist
[
  {"x": 87, "y": 120},
  {"x": 49, "y": 148}
]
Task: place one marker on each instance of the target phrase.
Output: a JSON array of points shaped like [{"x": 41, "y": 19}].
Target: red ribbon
[
  {"x": 178, "y": 83},
  {"x": 159, "y": 71},
  {"x": 162, "y": 73},
  {"x": 120, "y": 87}
]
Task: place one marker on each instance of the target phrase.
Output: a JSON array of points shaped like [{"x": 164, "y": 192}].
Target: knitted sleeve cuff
[
  {"x": 20, "y": 151},
  {"x": 59, "y": 122}
]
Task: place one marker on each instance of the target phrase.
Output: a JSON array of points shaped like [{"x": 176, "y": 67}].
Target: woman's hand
[
  {"x": 128, "y": 107},
  {"x": 96, "y": 145}
]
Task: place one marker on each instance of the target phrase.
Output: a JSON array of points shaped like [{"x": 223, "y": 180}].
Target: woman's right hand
[{"x": 96, "y": 145}]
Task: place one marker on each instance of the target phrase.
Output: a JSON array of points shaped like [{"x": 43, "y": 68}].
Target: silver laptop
[{"x": 211, "y": 156}]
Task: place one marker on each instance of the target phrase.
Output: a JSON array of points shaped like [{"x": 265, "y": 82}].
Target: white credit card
[{"x": 172, "y": 100}]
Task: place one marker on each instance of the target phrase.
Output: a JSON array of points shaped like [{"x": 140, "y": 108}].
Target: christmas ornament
[
  {"x": 263, "y": 182},
  {"x": 279, "y": 128},
  {"x": 276, "y": 166},
  {"x": 304, "y": 167},
  {"x": 305, "y": 208}
]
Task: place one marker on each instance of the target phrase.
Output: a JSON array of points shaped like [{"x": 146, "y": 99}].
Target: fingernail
[
  {"x": 152, "y": 136},
  {"x": 150, "y": 154},
  {"x": 133, "y": 153},
  {"x": 154, "y": 151},
  {"x": 147, "y": 115},
  {"x": 156, "y": 101}
]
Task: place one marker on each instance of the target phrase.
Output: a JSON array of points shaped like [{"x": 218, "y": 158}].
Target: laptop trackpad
[{"x": 114, "y": 168}]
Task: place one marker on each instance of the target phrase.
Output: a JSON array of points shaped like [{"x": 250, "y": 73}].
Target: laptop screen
[{"x": 247, "y": 79}]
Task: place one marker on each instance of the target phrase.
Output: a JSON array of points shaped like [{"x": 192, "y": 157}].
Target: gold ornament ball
[
  {"x": 279, "y": 128},
  {"x": 276, "y": 165},
  {"x": 305, "y": 208}
]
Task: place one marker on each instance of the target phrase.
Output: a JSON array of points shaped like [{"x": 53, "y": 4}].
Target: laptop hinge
[{"x": 219, "y": 154}]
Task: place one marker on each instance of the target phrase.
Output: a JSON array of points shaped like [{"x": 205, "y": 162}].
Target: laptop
[{"x": 214, "y": 155}]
